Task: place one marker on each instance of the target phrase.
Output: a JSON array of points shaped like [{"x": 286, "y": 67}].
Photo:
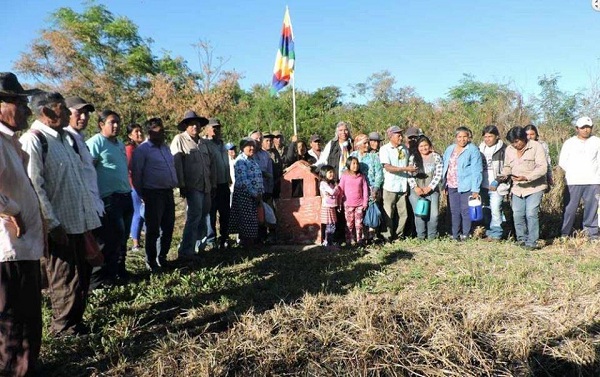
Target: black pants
[
  {"x": 160, "y": 221},
  {"x": 20, "y": 317},
  {"x": 116, "y": 223},
  {"x": 68, "y": 282},
  {"x": 220, "y": 203}
]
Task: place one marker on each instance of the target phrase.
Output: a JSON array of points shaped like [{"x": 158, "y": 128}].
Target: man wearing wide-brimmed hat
[
  {"x": 196, "y": 177},
  {"x": 21, "y": 240}
]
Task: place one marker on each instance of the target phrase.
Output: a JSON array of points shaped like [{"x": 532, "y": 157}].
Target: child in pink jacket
[{"x": 356, "y": 199}]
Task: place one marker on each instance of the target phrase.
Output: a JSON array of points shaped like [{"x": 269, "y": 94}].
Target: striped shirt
[{"x": 58, "y": 179}]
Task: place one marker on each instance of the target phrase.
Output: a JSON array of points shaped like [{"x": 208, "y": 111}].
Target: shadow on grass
[
  {"x": 542, "y": 363},
  {"x": 275, "y": 275}
]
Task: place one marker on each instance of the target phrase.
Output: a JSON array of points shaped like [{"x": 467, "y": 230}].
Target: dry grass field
[{"x": 412, "y": 308}]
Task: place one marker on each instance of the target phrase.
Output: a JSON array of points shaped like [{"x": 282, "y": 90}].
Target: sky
[{"x": 427, "y": 45}]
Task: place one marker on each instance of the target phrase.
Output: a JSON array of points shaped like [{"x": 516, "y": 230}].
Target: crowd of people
[{"x": 61, "y": 194}]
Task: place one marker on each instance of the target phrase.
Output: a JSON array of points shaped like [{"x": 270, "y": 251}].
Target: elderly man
[
  {"x": 21, "y": 240},
  {"x": 195, "y": 176},
  {"x": 154, "y": 178},
  {"x": 68, "y": 208},
  {"x": 78, "y": 121},
  {"x": 268, "y": 145},
  {"x": 221, "y": 196},
  {"x": 112, "y": 169},
  {"x": 394, "y": 158},
  {"x": 279, "y": 143},
  {"x": 337, "y": 150},
  {"x": 580, "y": 159},
  {"x": 264, "y": 161}
]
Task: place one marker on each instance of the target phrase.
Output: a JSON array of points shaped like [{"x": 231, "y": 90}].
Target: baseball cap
[
  {"x": 394, "y": 130},
  {"x": 315, "y": 137},
  {"x": 584, "y": 121},
  {"x": 374, "y": 136},
  {"x": 213, "y": 122},
  {"x": 276, "y": 133},
  {"x": 412, "y": 131},
  {"x": 78, "y": 103},
  {"x": 229, "y": 146}
]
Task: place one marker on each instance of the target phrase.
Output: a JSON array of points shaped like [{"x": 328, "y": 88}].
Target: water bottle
[{"x": 475, "y": 209}]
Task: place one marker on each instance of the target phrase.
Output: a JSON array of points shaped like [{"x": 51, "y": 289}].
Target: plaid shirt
[{"x": 58, "y": 179}]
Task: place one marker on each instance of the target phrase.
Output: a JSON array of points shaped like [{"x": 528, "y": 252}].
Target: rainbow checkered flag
[{"x": 286, "y": 57}]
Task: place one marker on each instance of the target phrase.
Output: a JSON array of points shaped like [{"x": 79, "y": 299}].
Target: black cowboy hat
[
  {"x": 10, "y": 86},
  {"x": 191, "y": 116}
]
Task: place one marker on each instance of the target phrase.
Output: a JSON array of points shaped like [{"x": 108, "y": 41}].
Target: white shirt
[
  {"x": 580, "y": 159},
  {"x": 64, "y": 195},
  {"x": 398, "y": 157},
  {"x": 17, "y": 196},
  {"x": 89, "y": 171}
]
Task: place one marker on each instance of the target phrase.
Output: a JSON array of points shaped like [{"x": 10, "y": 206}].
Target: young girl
[
  {"x": 356, "y": 199},
  {"x": 330, "y": 201}
]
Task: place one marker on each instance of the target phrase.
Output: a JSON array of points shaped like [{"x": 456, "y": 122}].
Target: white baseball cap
[{"x": 584, "y": 121}]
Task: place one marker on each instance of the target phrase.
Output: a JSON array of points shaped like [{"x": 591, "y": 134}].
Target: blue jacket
[{"x": 470, "y": 168}]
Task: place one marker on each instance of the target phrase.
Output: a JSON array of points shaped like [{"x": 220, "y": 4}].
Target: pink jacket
[{"x": 355, "y": 190}]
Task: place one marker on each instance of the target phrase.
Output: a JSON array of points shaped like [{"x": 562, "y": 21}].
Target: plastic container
[
  {"x": 422, "y": 207},
  {"x": 475, "y": 209}
]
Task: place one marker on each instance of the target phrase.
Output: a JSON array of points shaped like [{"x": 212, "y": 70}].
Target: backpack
[{"x": 42, "y": 138}]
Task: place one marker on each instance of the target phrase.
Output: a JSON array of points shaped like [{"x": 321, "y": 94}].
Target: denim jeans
[
  {"x": 427, "y": 227},
  {"x": 221, "y": 203},
  {"x": 137, "y": 222},
  {"x": 526, "y": 217},
  {"x": 459, "y": 212},
  {"x": 493, "y": 215},
  {"x": 197, "y": 208}
]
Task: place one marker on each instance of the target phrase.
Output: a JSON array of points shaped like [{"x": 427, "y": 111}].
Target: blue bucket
[
  {"x": 475, "y": 209},
  {"x": 422, "y": 207}
]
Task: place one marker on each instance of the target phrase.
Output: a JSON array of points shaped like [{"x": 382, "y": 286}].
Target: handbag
[
  {"x": 372, "y": 217},
  {"x": 93, "y": 255}
]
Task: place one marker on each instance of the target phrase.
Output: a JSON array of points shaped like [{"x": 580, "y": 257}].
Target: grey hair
[
  {"x": 44, "y": 99},
  {"x": 342, "y": 123}
]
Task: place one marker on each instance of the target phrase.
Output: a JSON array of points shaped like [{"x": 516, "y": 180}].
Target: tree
[
  {"x": 480, "y": 103},
  {"x": 380, "y": 88},
  {"x": 101, "y": 57},
  {"x": 553, "y": 106}
]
